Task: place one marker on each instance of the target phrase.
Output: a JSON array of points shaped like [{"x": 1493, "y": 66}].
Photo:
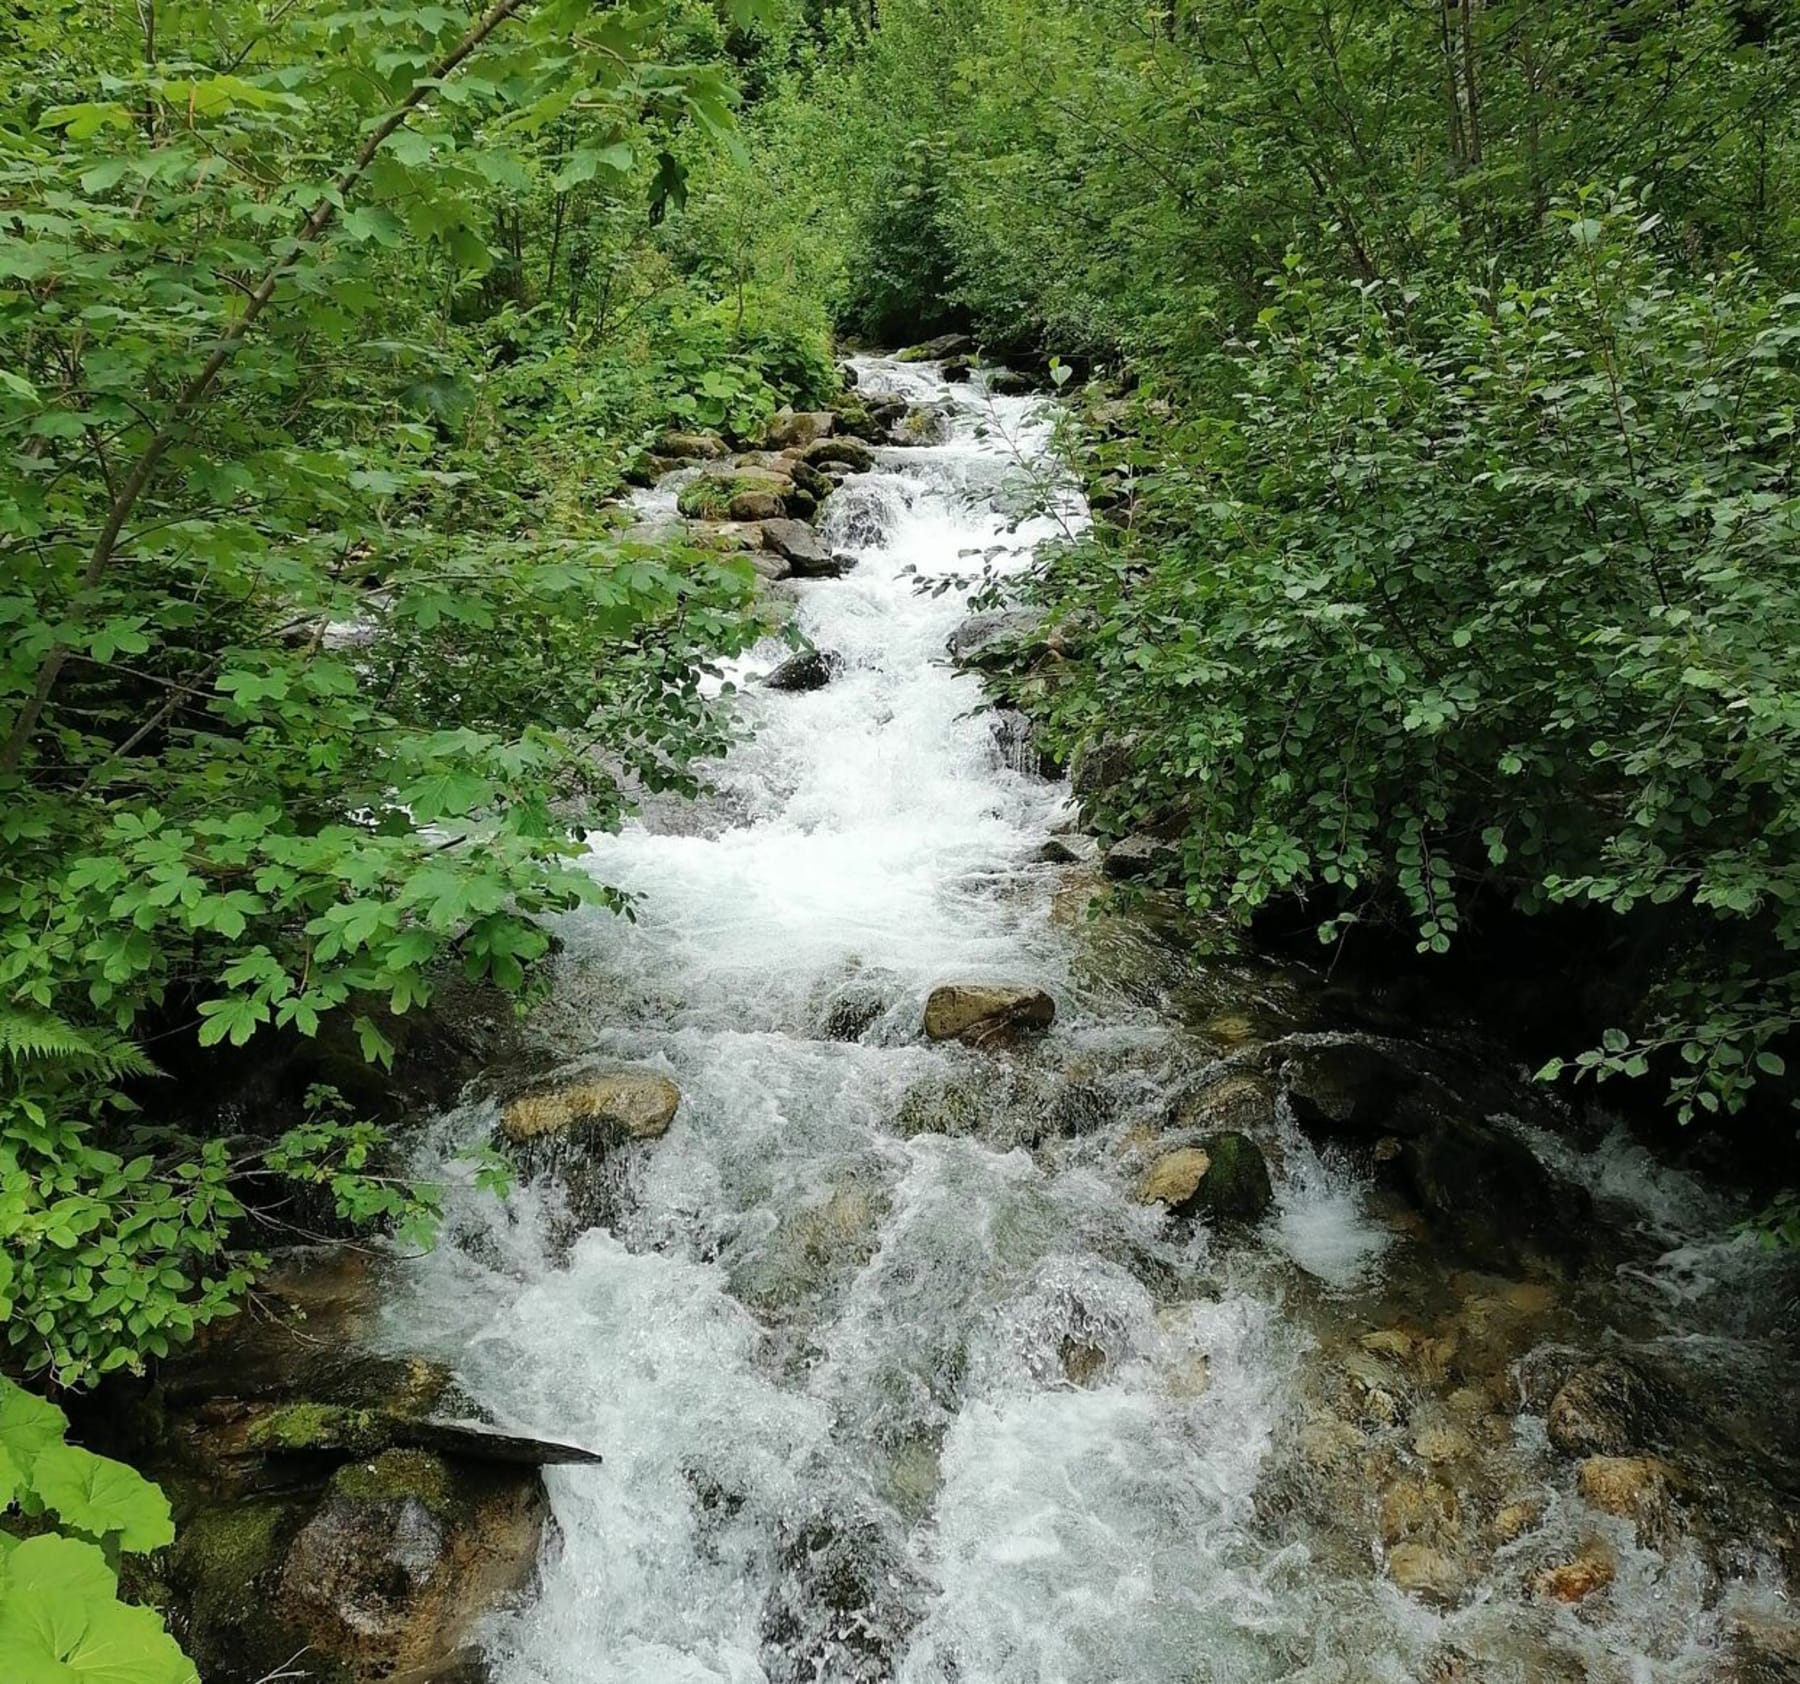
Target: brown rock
[
  {"x": 1174, "y": 1179},
  {"x": 1609, "y": 1408},
  {"x": 1420, "y": 1509},
  {"x": 982, "y": 1013},
  {"x": 1633, "y": 1488},
  {"x": 1515, "y": 1519},
  {"x": 1575, "y": 1581},
  {"x": 631, "y": 1104},
  {"x": 692, "y": 447},
  {"x": 1425, "y": 1572},
  {"x": 788, "y": 428}
]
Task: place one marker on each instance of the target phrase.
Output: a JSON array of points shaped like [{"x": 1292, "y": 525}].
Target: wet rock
[
  {"x": 728, "y": 537},
  {"x": 1440, "y": 1441},
  {"x": 1513, "y": 1520},
  {"x": 1009, "y": 383},
  {"x": 845, "y": 1600},
  {"x": 1174, "y": 1179},
  {"x": 920, "y": 425},
  {"x": 1137, "y": 856},
  {"x": 1083, "y": 1363},
  {"x": 1068, "y": 850},
  {"x": 813, "y": 1247},
  {"x": 1425, "y": 1572},
  {"x": 1236, "y": 1188},
  {"x": 798, "y": 545},
  {"x": 1419, "y": 1509},
  {"x": 1484, "y": 1189},
  {"x": 850, "y": 453},
  {"x": 935, "y": 350},
  {"x": 1765, "y": 1649},
  {"x": 788, "y": 428},
  {"x": 850, "y": 1017},
  {"x": 811, "y": 669},
  {"x": 1635, "y": 1488},
  {"x": 958, "y": 370},
  {"x": 692, "y": 447},
  {"x": 995, "y": 637},
  {"x": 1235, "y": 1101},
  {"x": 1610, "y": 1408},
  {"x": 1574, "y": 1581},
  {"x": 983, "y": 1013},
  {"x": 1224, "y": 1179},
  {"x": 389, "y": 1572},
  {"x": 1347, "y": 1082},
  {"x": 609, "y": 1107},
  {"x": 1016, "y": 739}
]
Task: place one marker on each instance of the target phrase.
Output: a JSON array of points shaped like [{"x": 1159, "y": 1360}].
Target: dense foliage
[
  {"x": 1445, "y": 437},
  {"x": 324, "y": 333}
]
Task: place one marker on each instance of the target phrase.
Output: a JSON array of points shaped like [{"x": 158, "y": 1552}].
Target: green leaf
[{"x": 102, "y": 1497}]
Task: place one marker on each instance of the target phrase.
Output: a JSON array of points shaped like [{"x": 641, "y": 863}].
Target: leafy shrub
[
  {"x": 1454, "y": 591},
  {"x": 61, "y": 1619}
]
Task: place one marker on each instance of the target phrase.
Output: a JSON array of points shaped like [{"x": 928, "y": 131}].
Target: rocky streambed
[{"x": 965, "y": 1278}]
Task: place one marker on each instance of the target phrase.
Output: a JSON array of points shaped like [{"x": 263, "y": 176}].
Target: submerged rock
[
  {"x": 619, "y": 1104},
  {"x": 1635, "y": 1488},
  {"x": 1425, "y": 1572},
  {"x": 1574, "y": 1581},
  {"x": 811, "y": 669},
  {"x": 982, "y": 1012},
  {"x": 1609, "y": 1408},
  {"x": 1485, "y": 1190}
]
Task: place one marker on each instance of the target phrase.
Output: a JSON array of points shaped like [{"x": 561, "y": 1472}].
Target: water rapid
[{"x": 893, "y": 1375}]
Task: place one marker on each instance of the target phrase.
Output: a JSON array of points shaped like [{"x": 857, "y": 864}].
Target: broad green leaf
[{"x": 102, "y": 1497}]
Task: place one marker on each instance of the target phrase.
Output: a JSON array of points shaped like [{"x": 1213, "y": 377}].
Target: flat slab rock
[
  {"x": 639, "y": 1104},
  {"x": 982, "y": 1012}
]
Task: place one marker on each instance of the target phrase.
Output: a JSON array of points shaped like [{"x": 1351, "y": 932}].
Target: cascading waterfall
[{"x": 894, "y": 1377}]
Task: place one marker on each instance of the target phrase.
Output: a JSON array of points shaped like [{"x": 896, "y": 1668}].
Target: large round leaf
[{"x": 96, "y": 1495}]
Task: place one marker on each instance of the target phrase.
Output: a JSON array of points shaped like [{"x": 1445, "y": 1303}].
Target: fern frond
[{"x": 43, "y": 1037}]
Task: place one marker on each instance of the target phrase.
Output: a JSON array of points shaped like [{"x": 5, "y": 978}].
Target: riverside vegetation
[{"x": 1433, "y": 372}]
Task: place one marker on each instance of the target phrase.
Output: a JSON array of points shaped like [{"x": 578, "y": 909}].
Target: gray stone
[{"x": 811, "y": 669}]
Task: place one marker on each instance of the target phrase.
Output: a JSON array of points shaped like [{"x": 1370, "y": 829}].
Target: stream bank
[{"x": 1131, "y": 1312}]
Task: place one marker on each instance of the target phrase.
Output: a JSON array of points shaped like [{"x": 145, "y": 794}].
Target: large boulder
[
  {"x": 1353, "y": 1082},
  {"x": 608, "y": 1107},
  {"x": 851, "y": 452},
  {"x": 744, "y": 491},
  {"x": 389, "y": 1572},
  {"x": 917, "y": 424},
  {"x": 935, "y": 350},
  {"x": 1609, "y": 1408},
  {"x": 691, "y": 447},
  {"x": 981, "y": 1013},
  {"x": 996, "y": 636},
  {"x": 788, "y": 428},
  {"x": 1486, "y": 1191},
  {"x": 1137, "y": 856},
  {"x": 800, "y": 547}
]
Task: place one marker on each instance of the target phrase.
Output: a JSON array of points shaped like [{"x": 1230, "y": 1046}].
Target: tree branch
[{"x": 199, "y": 388}]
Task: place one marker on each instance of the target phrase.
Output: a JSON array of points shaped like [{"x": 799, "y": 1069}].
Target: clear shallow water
[{"x": 893, "y": 1377}]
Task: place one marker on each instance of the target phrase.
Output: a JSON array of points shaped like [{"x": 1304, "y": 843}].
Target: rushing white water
[{"x": 892, "y": 1376}]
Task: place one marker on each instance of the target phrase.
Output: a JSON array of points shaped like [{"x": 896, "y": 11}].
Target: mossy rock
[
  {"x": 731, "y": 493},
  {"x": 1236, "y": 1188},
  {"x": 224, "y": 1574}
]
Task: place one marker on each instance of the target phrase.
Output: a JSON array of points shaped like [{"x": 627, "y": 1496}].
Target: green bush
[{"x": 1454, "y": 591}]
